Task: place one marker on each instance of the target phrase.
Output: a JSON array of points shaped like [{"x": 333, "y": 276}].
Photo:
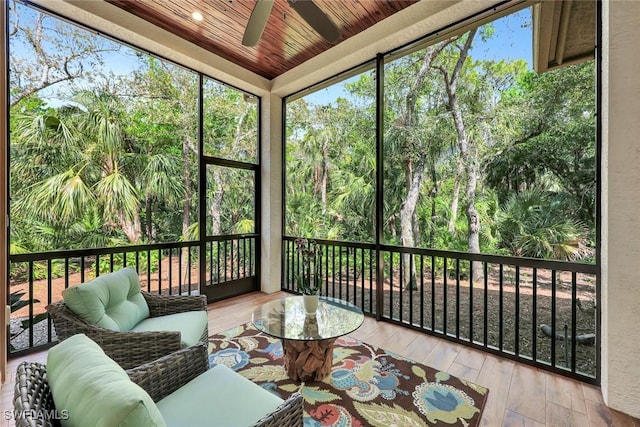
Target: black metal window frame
[
  {"x": 487, "y": 15},
  {"x": 203, "y": 161}
]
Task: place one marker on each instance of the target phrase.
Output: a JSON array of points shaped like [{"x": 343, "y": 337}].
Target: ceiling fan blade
[
  {"x": 257, "y": 22},
  {"x": 315, "y": 17}
]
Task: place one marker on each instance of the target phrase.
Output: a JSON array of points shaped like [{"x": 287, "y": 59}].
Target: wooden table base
[{"x": 308, "y": 360}]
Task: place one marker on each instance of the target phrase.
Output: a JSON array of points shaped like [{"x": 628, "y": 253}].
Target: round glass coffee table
[{"x": 307, "y": 340}]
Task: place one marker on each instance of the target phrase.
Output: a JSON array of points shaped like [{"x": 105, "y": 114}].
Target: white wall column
[
  {"x": 621, "y": 206},
  {"x": 271, "y": 191}
]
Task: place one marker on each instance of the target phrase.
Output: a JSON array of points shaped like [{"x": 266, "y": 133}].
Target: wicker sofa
[
  {"x": 132, "y": 326},
  {"x": 82, "y": 386}
]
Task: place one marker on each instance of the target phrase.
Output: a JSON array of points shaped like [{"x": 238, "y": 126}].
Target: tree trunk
[
  {"x": 131, "y": 227},
  {"x": 473, "y": 218},
  {"x": 455, "y": 200},
  {"x": 325, "y": 175},
  {"x": 407, "y": 213},
  {"x": 434, "y": 195},
  {"x": 215, "y": 205},
  {"x": 148, "y": 222},
  {"x": 186, "y": 207},
  {"x": 414, "y": 169},
  {"x": 467, "y": 155}
]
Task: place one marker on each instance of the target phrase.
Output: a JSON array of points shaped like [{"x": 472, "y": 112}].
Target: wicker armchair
[
  {"x": 167, "y": 374},
  {"x": 130, "y": 349},
  {"x": 32, "y": 399},
  {"x": 34, "y": 406}
]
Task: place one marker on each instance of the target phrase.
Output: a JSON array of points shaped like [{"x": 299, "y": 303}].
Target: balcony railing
[
  {"x": 513, "y": 307},
  {"x": 166, "y": 268}
]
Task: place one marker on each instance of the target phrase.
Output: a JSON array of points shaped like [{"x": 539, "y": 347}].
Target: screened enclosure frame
[
  {"x": 190, "y": 249},
  {"x": 378, "y": 64}
]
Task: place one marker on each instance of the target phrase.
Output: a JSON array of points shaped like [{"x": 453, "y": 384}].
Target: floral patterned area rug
[{"x": 368, "y": 386}]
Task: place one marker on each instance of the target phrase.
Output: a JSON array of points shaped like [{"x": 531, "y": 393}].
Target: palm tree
[
  {"x": 535, "y": 223},
  {"x": 84, "y": 167}
]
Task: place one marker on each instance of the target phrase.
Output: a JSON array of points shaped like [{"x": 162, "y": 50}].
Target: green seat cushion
[
  {"x": 94, "y": 390},
  {"x": 190, "y": 324},
  {"x": 111, "y": 301},
  {"x": 219, "y": 397}
]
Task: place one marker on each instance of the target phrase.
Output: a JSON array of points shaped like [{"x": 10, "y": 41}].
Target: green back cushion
[
  {"x": 94, "y": 390},
  {"x": 111, "y": 301}
]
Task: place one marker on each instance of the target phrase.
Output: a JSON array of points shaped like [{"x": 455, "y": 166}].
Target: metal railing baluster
[{"x": 352, "y": 258}]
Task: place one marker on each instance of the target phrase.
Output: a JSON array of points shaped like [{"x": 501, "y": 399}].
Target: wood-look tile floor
[{"x": 519, "y": 395}]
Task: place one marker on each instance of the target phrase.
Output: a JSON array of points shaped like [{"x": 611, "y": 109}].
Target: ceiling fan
[{"x": 307, "y": 9}]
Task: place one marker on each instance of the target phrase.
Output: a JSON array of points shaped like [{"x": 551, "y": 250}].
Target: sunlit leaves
[
  {"x": 245, "y": 225},
  {"x": 117, "y": 196},
  {"x": 62, "y": 197},
  {"x": 535, "y": 223},
  {"x": 101, "y": 124},
  {"x": 103, "y": 150},
  {"x": 525, "y": 130},
  {"x": 161, "y": 177}
]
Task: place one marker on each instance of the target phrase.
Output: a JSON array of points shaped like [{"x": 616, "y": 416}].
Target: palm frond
[
  {"x": 60, "y": 198},
  {"x": 117, "y": 195},
  {"x": 161, "y": 177}
]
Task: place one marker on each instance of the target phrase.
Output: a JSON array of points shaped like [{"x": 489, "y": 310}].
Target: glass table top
[{"x": 285, "y": 318}]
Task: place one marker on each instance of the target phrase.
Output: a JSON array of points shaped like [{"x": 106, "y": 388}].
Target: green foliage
[
  {"x": 141, "y": 259},
  {"x": 552, "y": 143},
  {"x": 330, "y": 191},
  {"x": 245, "y": 226},
  {"x": 114, "y": 160},
  {"x": 534, "y": 223},
  {"x": 309, "y": 276},
  {"x": 523, "y": 131}
]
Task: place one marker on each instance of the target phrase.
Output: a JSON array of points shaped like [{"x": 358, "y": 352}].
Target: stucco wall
[
  {"x": 621, "y": 206},
  {"x": 271, "y": 193}
]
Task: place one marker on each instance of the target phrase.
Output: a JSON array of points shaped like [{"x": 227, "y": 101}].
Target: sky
[
  {"x": 511, "y": 40},
  {"x": 120, "y": 62}
]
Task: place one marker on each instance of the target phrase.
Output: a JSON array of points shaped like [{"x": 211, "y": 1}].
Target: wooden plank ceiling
[{"x": 287, "y": 40}]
